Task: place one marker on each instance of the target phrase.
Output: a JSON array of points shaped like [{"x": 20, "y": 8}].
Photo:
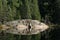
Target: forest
[{"x": 46, "y": 11}]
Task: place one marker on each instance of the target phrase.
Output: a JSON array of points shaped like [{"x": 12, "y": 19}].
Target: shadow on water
[{"x": 51, "y": 34}]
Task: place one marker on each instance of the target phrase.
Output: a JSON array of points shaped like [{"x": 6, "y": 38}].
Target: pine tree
[
  {"x": 25, "y": 9},
  {"x": 3, "y": 10},
  {"x": 35, "y": 11},
  {"x": 15, "y": 5},
  {"x": 5, "y": 14},
  {"x": 0, "y": 11}
]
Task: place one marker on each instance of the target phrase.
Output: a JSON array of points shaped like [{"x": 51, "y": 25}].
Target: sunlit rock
[{"x": 24, "y": 27}]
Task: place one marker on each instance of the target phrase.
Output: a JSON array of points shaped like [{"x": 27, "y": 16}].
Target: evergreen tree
[
  {"x": 15, "y": 5},
  {"x": 3, "y": 10},
  {"x": 5, "y": 14},
  {"x": 25, "y": 9},
  {"x": 34, "y": 9}
]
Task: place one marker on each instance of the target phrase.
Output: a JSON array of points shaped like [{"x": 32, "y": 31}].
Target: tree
[
  {"x": 25, "y": 9},
  {"x": 3, "y": 10},
  {"x": 34, "y": 9}
]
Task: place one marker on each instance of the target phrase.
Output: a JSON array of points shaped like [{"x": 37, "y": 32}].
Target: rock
[{"x": 21, "y": 27}]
